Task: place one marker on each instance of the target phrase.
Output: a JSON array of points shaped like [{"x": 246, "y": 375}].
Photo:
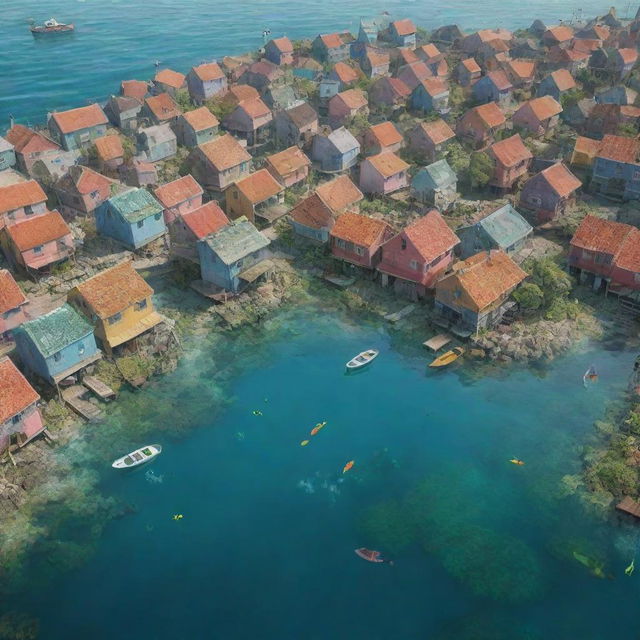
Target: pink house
[
  {"x": 288, "y": 167},
  {"x": 250, "y": 120},
  {"x": 81, "y": 190},
  {"x": 20, "y": 419},
  {"x": 539, "y": 115},
  {"x": 383, "y": 174},
  {"x": 414, "y": 259},
  {"x": 346, "y": 105},
  {"x": 358, "y": 239},
  {"x": 20, "y": 201},
  {"x": 511, "y": 162},
  {"x": 179, "y": 197},
  {"x": 12, "y": 304}
]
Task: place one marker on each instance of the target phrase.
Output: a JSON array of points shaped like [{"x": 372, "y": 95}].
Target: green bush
[{"x": 529, "y": 296}]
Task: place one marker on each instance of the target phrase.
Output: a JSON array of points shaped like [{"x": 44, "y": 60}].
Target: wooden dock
[
  {"x": 342, "y": 282},
  {"x": 98, "y": 387},
  {"x": 398, "y": 315},
  {"x": 437, "y": 342},
  {"x": 630, "y": 506},
  {"x": 74, "y": 397}
]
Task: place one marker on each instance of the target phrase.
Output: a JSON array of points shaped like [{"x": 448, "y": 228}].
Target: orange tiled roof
[
  {"x": 434, "y": 86},
  {"x": 109, "y": 147},
  {"x": 587, "y": 146},
  {"x": 387, "y": 164},
  {"x": 628, "y": 56},
  {"x": 500, "y": 80},
  {"x": 353, "y": 98},
  {"x": 561, "y": 33},
  {"x": 345, "y": 73},
  {"x": 629, "y": 255},
  {"x": 224, "y": 152},
  {"x": 11, "y": 295},
  {"x": 35, "y": 232},
  {"x": 438, "y": 131},
  {"x": 511, "y": 151},
  {"x": 20, "y": 194},
  {"x": 385, "y": 133},
  {"x": 283, "y": 45},
  {"x": 430, "y": 50},
  {"x": 471, "y": 65},
  {"x": 254, "y": 108},
  {"x": 523, "y": 69},
  {"x": 331, "y": 40},
  {"x": 16, "y": 394},
  {"x": 604, "y": 236},
  {"x": 178, "y": 191},
  {"x": 288, "y": 161},
  {"x": 240, "y": 92},
  {"x": 361, "y": 230},
  {"x": 619, "y": 149},
  {"x": 259, "y": 186},
  {"x": 543, "y": 108},
  {"x": 24, "y": 139},
  {"x": 561, "y": 180},
  {"x": 490, "y": 114},
  {"x": 83, "y": 180},
  {"x": 404, "y": 27},
  {"x": 339, "y": 193},
  {"x": 629, "y": 111},
  {"x": 408, "y": 56},
  {"x": 173, "y": 79},
  {"x": 113, "y": 290},
  {"x": 585, "y": 45},
  {"x": 163, "y": 106},
  {"x": 431, "y": 235},
  {"x": 80, "y": 118},
  {"x": 201, "y": 119},
  {"x": 377, "y": 58},
  {"x": 206, "y": 219},
  {"x": 400, "y": 87},
  {"x": 563, "y": 80},
  {"x": 208, "y": 71},
  {"x": 134, "y": 89},
  {"x": 312, "y": 212}
]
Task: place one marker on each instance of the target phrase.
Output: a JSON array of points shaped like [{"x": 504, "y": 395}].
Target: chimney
[{"x": 12, "y": 121}]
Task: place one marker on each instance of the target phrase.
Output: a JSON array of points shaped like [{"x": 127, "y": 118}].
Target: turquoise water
[
  {"x": 266, "y": 546},
  {"x": 120, "y": 39}
]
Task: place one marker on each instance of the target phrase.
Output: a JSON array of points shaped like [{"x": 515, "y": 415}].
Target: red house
[
  {"x": 415, "y": 258},
  {"x": 21, "y": 201},
  {"x": 179, "y": 197},
  {"x": 539, "y": 115},
  {"x": 358, "y": 239},
  {"x": 511, "y": 161},
  {"x": 382, "y": 137},
  {"x": 479, "y": 125}
]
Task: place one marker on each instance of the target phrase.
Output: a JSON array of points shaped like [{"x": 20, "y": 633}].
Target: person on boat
[
  {"x": 257, "y": 412},
  {"x": 629, "y": 570}
]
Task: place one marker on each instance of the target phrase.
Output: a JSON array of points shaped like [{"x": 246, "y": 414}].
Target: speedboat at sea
[
  {"x": 362, "y": 359},
  {"x": 138, "y": 457},
  {"x": 51, "y": 27}
]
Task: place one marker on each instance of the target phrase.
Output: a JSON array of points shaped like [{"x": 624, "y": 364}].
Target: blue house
[
  {"x": 57, "y": 345},
  {"x": 78, "y": 128},
  {"x": 133, "y": 218},
  {"x": 494, "y": 87},
  {"x": 157, "y": 142},
  {"x": 234, "y": 256},
  {"x": 431, "y": 95},
  {"x": 403, "y": 33},
  {"x": 7, "y": 154},
  {"x": 336, "y": 152},
  {"x": 616, "y": 168}
]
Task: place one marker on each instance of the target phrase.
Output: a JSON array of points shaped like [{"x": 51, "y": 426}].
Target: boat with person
[
  {"x": 51, "y": 27},
  {"x": 371, "y": 556},
  {"x": 363, "y": 359},
  {"x": 590, "y": 376},
  {"x": 138, "y": 457},
  {"x": 447, "y": 358}
]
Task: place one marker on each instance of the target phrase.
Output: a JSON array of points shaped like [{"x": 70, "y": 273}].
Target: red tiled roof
[
  {"x": 510, "y": 151},
  {"x": 430, "y": 50},
  {"x": 408, "y": 56},
  {"x": 404, "y": 27},
  {"x": 20, "y": 194},
  {"x": 471, "y": 65},
  {"x": 259, "y": 186},
  {"x": 80, "y": 118},
  {"x": 401, "y": 89},
  {"x": 377, "y": 58},
  {"x": 345, "y": 73},
  {"x": 431, "y": 236},
  {"x": 585, "y": 45},
  {"x": 206, "y": 219},
  {"x": 339, "y": 193},
  {"x": 587, "y": 146},
  {"x": 288, "y": 161},
  {"x": 387, "y": 164},
  {"x": 563, "y": 80},
  {"x": 283, "y": 45},
  {"x": 331, "y": 40},
  {"x": 113, "y": 290},
  {"x": 619, "y": 149},
  {"x": 560, "y": 34},
  {"x": 163, "y": 106},
  {"x": 500, "y": 80},
  {"x": 312, "y": 212},
  {"x": 254, "y": 108},
  {"x": 361, "y": 230},
  {"x": 16, "y": 394},
  {"x": 543, "y": 108},
  {"x": 497, "y": 45},
  {"x": 134, "y": 89},
  {"x": 603, "y": 236},
  {"x": 265, "y": 68},
  {"x": 628, "y": 56},
  {"x": 224, "y": 152},
  {"x": 35, "y": 232},
  {"x": 83, "y": 180},
  {"x": 201, "y": 119},
  {"x": 629, "y": 255},
  {"x": 240, "y": 92},
  {"x": 438, "y": 131},
  {"x": 24, "y": 139},
  {"x": 629, "y": 111},
  {"x": 434, "y": 86},
  {"x": 385, "y": 134},
  {"x": 208, "y": 71},
  {"x": 178, "y": 191},
  {"x": 109, "y": 147},
  {"x": 561, "y": 180},
  {"x": 490, "y": 114},
  {"x": 353, "y": 98},
  {"x": 523, "y": 69},
  {"x": 11, "y": 295},
  {"x": 170, "y": 78}
]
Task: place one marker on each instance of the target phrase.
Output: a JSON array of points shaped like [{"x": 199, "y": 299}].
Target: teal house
[
  {"x": 133, "y": 218},
  {"x": 57, "y": 345},
  {"x": 7, "y": 154}
]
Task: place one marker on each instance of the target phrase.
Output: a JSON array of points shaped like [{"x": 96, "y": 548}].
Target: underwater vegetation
[
  {"x": 486, "y": 626},
  {"x": 18, "y": 626}
]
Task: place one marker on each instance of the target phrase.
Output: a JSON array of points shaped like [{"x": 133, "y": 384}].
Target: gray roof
[
  {"x": 342, "y": 140},
  {"x": 158, "y": 133},
  {"x": 505, "y": 226},
  {"x": 436, "y": 175},
  {"x": 5, "y": 145},
  {"x": 236, "y": 240},
  {"x": 135, "y": 204},
  {"x": 302, "y": 115}
]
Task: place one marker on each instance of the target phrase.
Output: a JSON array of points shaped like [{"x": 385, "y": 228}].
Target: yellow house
[
  {"x": 259, "y": 195},
  {"x": 118, "y": 302},
  {"x": 584, "y": 152}
]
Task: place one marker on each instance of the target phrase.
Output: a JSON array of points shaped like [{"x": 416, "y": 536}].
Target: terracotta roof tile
[
  {"x": 629, "y": 255},
  {"x": 434, "y": 86},
  {"x": 170, "y": 78},
  {"x": 208, "y": 71},
  {"x": 206, "y": 219},
  {"x": 178, "y": 191},
  {"x": 585, "y": 45},
  {"x": 38, "y": 231},
  {"x": 471, "y": 65},
  {"x": 283, "y": 45},
  {"x": 302, "y": 115},
  {"x": 16, "y": 394},
  {"x": 619, "y": 149},
  {"x": 259, "y": 186},
  {"x": 414, "y": 73},
  {"x": 339, "y": 193},
  {"x": 254, "y": 108},
  {"x": 240, "y": 92},
  {"x": 430, "y": 50},
  {"x": 83, "y": 180},
  {"x": 81, "y": 118},
  {"x": 345, "y": 73},
  {"x": 288, "y": 161},
  {"x": 201, "y": 119},
  {"x": 109, "y": 147},
  {"x": 113, "y": 290},
  {"x": 224, "y": 152},
  {"x": 561, "y": 180},
  {"x": 266, "y": 68},
  {"x": 497, "y": 45},
  {"x": 20, "y": 194},
  {"x": 563, "y": 80},
  {"x": 404, "y": 27},
  {"x": 331, "y": 40},
  {"x": 361, "y": 230},
  {"x": 490, "y": 114},
  {"x": 543, "y": 108},
  {"x": 313, "y": 213},
  {"x": 500, "y": 80},
  {"x": 560, "y": 33},
  {"x": 163, "y": 107},
  {"x": 587, "y": 146},
  {"x": 353, "y": 98},
  {"x": 399, "y": 87},
  {"x": 523, "y": 69},
  {"x": 377, "y": 58},
  {"x": 438, "y": 131},
  {"x": 431, "y": 235},
  {"x": 134, "y": 89},
  {"x": 510, "y": 151},
  {"x": 387, "y": 164},
  {"x": 11, "y": 295},
  {"x": 27, "y": 140},
  {"x": 629, "y": 56},
  {"x": 629, "y": 111},
  {"x": 385, "y": 133},
  {"x": 407, "y": 55},
  {"x": 603, "y": 236}
]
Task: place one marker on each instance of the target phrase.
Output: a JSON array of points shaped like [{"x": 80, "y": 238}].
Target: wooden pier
[
  {"x": 399, "y": 315},
  {"x": 437, "y": 342},
  {"x": 630, "y": 506},
  {"x": 74, "y": 397},
  {"x": 99, "y": 388}
]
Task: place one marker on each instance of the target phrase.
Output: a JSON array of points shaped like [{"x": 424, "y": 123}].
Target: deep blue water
[
  {"x": 120, "y": 39},
  {"x": 266, "y": 546}
]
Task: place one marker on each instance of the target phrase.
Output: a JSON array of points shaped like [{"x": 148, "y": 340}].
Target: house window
[
  {"x": 157, "y": 216},
  {"x": 57, "y": 356},
  {"x": 16, "y": 418},
  {"x": 81, "y": 348},
  {"x": 239, "y": 264},
  {"x": 141, "y": 305},
  {"x": 341, "y": 243},
  {"x": 586, "y": 255},
  {"x": 28, "y": 210},
  {"x": 457, "y": 293},
  {"x": 235, "y": 195},
  {"x": 115, "y": 318},
  {"x": 403, "y": 244},
  {"x": 414, "y": 265},
  {"x": 140, "y": 224},
  {"x": 37, "y": 249},
  {"x": 358, "y": 250},
  {"x": 636, "y": 175},
  {"x": 603, "y": 258},
  {"x": 94, "y": 194},
  {"x": 426, "y": 267}
]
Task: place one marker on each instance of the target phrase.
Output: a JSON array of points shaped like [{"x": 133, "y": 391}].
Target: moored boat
[
  {"x": 362, "y": 359},
  {"x": 138, "y": 457},
  {"x": 51, "y": 27},
  {"x": 447, "y": 358},
  {"x": 590, "y": 376}
]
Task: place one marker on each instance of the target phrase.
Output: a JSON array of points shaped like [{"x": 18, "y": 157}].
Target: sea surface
[
  {"x": 122, "y": 39},
  {"x": 265, "y": 547}
]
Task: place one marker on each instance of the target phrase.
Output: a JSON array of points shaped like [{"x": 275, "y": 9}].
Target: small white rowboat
[
  {"x": 138, "y": 457},
  {"x": 362, "y": 359}
]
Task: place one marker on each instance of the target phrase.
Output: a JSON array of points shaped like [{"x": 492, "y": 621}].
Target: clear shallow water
[
  {"x": 265, "y": 548},
  {"x": 120, "y": 39}
]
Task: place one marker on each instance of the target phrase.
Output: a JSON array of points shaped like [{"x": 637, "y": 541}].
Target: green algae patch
[
  {"x": 387, "y": 526},
  {"x": 18, "y": 626}
]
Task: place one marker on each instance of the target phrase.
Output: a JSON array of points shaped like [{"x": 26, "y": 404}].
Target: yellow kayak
[{"x": 447, "y": 358}]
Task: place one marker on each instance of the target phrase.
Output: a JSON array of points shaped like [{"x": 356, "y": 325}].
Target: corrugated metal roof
[
  {"x": 236, "y": 240},
  {"x": 135, "y": 204},
  {"x": 505, "y": 226},
  {"x": 436, "y": 175}
]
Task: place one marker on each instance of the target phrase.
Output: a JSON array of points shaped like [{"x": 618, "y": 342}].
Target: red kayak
[{"x": 369, "y": 555}]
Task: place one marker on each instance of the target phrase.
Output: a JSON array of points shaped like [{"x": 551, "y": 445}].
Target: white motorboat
[
  {"x": 138, "y": 457},
  {"x": 362, "y": 359}
]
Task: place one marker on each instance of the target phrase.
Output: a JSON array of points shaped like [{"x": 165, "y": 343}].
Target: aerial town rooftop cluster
[{"x": 307, "y": 133}]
